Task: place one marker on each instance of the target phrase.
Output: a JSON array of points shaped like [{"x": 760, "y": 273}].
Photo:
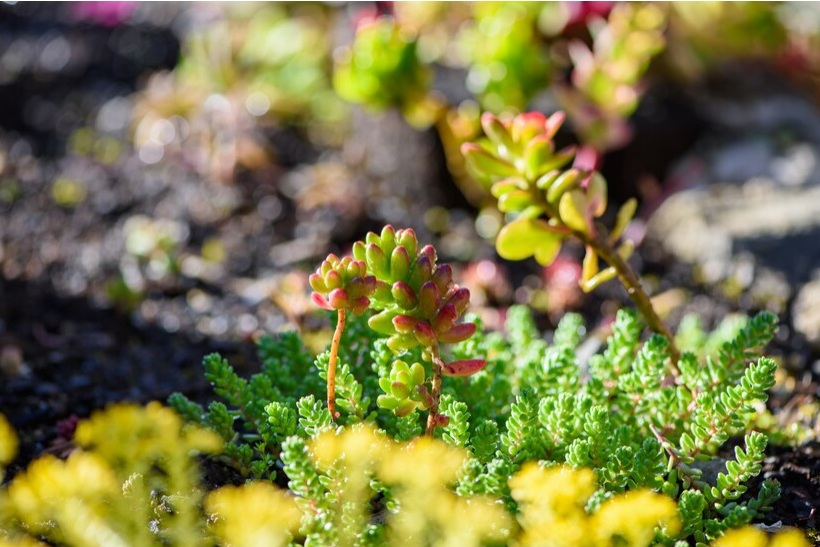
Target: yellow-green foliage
[{"x": 134, "y": 482}]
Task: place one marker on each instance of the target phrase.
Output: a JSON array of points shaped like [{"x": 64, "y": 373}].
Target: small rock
[
  {"x": 806, "y": 311},
  {"x": 11, "y": 362}
]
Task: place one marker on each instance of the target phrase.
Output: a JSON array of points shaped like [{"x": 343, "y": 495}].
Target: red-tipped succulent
[
  {"x": 342, "y": 284},
  {"x": 416, "y": 300},
  {"x": 419, "y": 302}
]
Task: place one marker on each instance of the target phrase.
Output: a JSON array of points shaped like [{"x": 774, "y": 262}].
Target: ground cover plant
[{"x": 642, "y": 414}]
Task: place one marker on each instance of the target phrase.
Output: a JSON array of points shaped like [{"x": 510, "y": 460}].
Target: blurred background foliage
[{"x": 183, "y": 158}]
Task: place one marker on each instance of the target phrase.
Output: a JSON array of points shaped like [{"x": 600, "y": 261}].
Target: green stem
[
  {"x": 635, "y": 290},
  {"x": 331, "y": 364},
  {"x": 630, "y": 280}
]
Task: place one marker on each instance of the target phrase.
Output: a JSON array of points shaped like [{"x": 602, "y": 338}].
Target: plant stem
[
  {"x": 628, "y": 278},
  {"x": 331, "y": 365},
  {"x": 635, "y": 290},
  {"x": 433, "y": 417}
]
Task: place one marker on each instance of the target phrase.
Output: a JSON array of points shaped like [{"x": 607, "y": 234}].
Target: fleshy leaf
[
  {"x": 525, "y": 237},
  {"x": 573, "y": 210},
  {"x": 466, "y": 367}
]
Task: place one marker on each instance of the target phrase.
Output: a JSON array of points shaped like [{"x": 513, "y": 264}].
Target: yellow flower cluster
[
  {"x": 420, "y": 475},
  {"x": 105, "y": 494},
  {"x": 752, "y": 537},
  {"x": 8, "y": 444},
  {"x": 553, "y": 501},
  {"x": 254, "y": 514},
  {"x": 135, "y": 483}
]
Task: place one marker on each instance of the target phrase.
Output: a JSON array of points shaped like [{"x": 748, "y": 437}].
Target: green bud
[
  {"x": 399, "y": 343},
  {"x": 381, "y": 291},
  {"x": 400, "y": 390},
  {"x": 403, "y": 295},
  {"x": 523, "y": 238},
  {"x": 417, "y": 372},
  {"x": 333, "y": 280},
  {"x": 421, "y": 271},
  {"x": 596, "y": 194},
  {"x": 425, "y": 334},
  {"x": 429, "y": 299},
  {"x": 559, "y": 160},
  {"x": 625, "y": 215},
  {"x": 387, "y": 402},
  {"x": 399, "y": 264},
  {"x": 372, "y": 238},
  {"x": 382, "y": 322},
  {"x": 377, "y": 261},
  {"x": 360, "y": 251},
  {"x": 546, "y": 180},
  {"x": 407, "y": 239},
  {"x": 403, "y": 376},
  {"x": 317, "y": 283},
  {"x": 573, "y": 209},
  {"x": 388, "y": 239}
]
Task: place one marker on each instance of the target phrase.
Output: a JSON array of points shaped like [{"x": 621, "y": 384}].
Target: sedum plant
[
  {"x": 635, "y": 416},
  {"x": 548, "y": 202},
  {"x": 418, "y": 305},
  {"x": 381, "y": 69},
  {"x": 606, "y": 76},
  {"x": 340, "y": 285}
]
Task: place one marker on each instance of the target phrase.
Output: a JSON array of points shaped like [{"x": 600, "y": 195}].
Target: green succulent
[{"x": 404, "y": 389}]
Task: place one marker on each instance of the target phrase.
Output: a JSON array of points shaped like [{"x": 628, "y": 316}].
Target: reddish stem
[
  {"x": 331, "y": 365},
  {"x": 432, "y": 418}
]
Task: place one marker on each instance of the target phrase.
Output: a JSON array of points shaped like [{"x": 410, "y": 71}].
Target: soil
[{"x": 70, "y": 348}]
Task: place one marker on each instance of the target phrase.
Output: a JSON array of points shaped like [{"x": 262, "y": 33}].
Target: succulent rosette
[
  {"x": 419, "y": 302},
  {"x": 342, "y": 284}
]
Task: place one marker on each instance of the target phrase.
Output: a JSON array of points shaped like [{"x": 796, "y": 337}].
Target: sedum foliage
[
  {"x": 620, "y": 414},
  {"x": 134, "y": 481}
]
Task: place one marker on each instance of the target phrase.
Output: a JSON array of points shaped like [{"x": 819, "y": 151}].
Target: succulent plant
[
  {"x": 342, "y": 284},
  {"x": 547, "y": 202}
]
